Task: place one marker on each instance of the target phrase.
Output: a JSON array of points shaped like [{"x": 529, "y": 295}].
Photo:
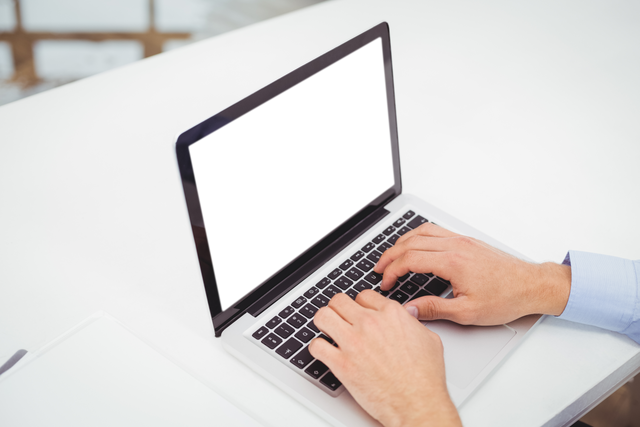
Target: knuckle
[
  {"x": 431, "y": 309},
  {"x": 364, "y": 295},
  {"x": 321, "y": 314},
  {"x": 464, "y": 240},
  {"x": 370, "y": 319},
  {"x": 412, "y": 240},
  {"x": 411, "y": 257},
  {"x": 337, "y": 299},
  {"x": 454, "y": 259}
]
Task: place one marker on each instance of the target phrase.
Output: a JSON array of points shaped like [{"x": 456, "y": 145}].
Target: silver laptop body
[{"x": 310, "y": 166}]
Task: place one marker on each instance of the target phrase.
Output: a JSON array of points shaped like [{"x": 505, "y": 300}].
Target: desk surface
[{"x": 518, "y": 118}]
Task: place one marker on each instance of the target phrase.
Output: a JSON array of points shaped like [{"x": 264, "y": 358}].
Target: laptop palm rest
[{"x": 468, "y": 349}]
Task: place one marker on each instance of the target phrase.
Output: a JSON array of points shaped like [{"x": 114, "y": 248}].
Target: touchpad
[{"x": 468, "y": 349}]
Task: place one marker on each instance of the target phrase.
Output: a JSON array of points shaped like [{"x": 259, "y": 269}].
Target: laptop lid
[{"x": 308, "y": 161}]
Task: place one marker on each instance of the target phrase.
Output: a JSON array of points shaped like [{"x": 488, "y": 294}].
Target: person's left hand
[{"x": 391, "y": 364}]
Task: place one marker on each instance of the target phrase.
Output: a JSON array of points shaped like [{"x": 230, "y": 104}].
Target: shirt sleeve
[{"x": 605, "y": 292}]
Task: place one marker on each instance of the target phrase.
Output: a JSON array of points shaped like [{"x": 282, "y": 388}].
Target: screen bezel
[{"x": 283, "y": 280}]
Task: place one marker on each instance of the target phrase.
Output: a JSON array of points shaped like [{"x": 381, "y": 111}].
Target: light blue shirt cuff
[{"x": 605, "y": 292}]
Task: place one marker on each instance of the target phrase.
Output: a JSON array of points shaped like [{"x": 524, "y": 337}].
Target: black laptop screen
[{"x": 279, "y": 178}]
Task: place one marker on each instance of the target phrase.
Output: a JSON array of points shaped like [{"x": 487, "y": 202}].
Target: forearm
[{"x": 431, "y": 410}]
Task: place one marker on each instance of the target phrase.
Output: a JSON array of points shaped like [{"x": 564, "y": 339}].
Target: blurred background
[{"x": 47, "y": 43}]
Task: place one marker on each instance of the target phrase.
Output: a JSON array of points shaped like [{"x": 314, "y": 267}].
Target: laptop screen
[{"x": 291, "y": 170}]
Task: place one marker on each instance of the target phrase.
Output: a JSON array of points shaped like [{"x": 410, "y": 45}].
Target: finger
[
  {"x": 371, "y": 300},
  {"x": 346, "y": 308},
  {"x": 325, "y": 352},
  {"x": 329, "y": 322},
  {"x": 433, "y": 308},
  {"x": 427, "y": 229},
  {"x": 415, "y": 242},
  {"x": 415, "y": 261}
]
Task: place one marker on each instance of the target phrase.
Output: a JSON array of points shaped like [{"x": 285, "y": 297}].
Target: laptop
[{"x": 293, "y": 193}]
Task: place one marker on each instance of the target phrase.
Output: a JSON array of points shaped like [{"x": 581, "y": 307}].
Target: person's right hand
[{"x": 490, "y": 287}]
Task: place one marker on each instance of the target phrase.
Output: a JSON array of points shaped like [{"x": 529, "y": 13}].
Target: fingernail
[{"x": 413, "y": 310}]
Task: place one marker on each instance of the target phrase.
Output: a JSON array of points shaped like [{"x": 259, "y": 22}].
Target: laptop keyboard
[{"x": 289, "y": 333}]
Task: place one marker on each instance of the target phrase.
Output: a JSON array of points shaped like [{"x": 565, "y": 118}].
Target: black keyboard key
[
  {"x": 286, "y": 312},
  {"x": 298, "y": 303},
  {"x": 399, "y": 296},
  {"x": 403, "y": 278},
  {"x": 379, "y": 238},
  {"x": 383, "y": 247},
  {"x": 305, "y": 335},
  {"x": 384, "y": 293},
  {"x": 416, "y": 222},
  {"x": 361, "y": 286},
  {"x": 323, "y": 283},
  {"x": 311, "y": 293},
  {"x": 354, "y": 274},
  {"x": 308, "y": 311},
  {"x": 355, "y": 257},
  {"x": 398, "y": 222},
  {"x": 288, "y": 349},
  {"x": 274, "y": 322},
  {"x": 389, "y": 230},
  {"x": 437, "y": 286},
  {"x": 296, "y": 320},
  {"x": 345, "y": 265},
  {"x": 404, "y": 230},
  {"x": 316, "y": 369},
  {"x": 419, "y": 279},
  {"x": 343, "y": 283},
  {"x": 313, "y": 327},
  {"x": 302, "y": 359},
  {"x": 260, "y": 333},
  {"x": 331, "y": 291},
  {"x": 284, "y": 330},
  {"x": 393, "y": 239},
  {"x": 272, "y": 341},
  {"x": 368, "y": 247},
  {"x": 421, "y": 293},
  {"x": 352, "y": 293},
  {"x": 365, "y": 265},
  {"x": 408, "y": 215},
  {"x": 374, "y": 256},
  {"x": 442, "y": 280},
  {"x": 409, "y": 287},
  {"x": 373, "y": 278},
  {"x": 335, "y": 274},
  {"x": 330, "y": 381},
  {"x": 320, "y": 301}
]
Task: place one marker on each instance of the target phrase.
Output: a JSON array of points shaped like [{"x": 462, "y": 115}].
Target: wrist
[
  {"x": 553, "y": 286},
  {"x": 437, "y": 411}
]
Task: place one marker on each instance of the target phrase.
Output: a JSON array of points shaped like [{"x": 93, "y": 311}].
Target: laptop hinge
[
  {"x": 317, "y": 261},
  {"x": 346, "y": 234}
]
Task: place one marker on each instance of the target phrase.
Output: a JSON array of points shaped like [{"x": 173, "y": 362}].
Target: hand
[
  {"x": 387, "y": 360},
  {"x": 490, "y": 287}
]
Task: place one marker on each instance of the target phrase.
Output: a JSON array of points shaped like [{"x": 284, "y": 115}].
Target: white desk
[{"x": 520, "y": 119}]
